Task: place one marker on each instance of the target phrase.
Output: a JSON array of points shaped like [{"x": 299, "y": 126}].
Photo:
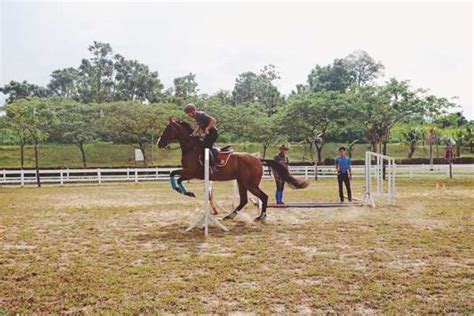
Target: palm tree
[{"x": 412, "y": 136}]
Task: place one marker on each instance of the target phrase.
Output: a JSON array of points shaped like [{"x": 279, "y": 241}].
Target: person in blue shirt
[{"x": 344, "y": 173}]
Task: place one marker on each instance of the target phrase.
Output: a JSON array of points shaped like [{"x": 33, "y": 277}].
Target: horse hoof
[
  {"x": 191, "y": 194},
  {"x": 261, "y": 218},
  {"x": 228, "y": 217}
]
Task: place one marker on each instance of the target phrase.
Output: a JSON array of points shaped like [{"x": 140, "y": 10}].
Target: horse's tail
[{"x": 285, "y": 175}]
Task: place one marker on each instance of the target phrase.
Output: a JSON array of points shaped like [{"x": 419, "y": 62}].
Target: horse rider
[{"x": 207, "y": 124}]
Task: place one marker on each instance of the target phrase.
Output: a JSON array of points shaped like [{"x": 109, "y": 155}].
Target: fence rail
[{"x": 99, "y": 175}]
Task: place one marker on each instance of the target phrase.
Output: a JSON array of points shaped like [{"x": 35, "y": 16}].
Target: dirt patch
[{"x": 123, "y": 249}]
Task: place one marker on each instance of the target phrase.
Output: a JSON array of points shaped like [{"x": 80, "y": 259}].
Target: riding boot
[{"x": 212, "y": 162}]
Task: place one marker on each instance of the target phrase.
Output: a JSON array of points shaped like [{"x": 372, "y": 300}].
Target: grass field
[
  {"x": 122, "y": 249},
  {"x": 114, "y": 155}
]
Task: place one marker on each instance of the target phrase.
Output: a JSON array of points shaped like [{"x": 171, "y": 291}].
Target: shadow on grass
[{"x": 175, "y": 233}]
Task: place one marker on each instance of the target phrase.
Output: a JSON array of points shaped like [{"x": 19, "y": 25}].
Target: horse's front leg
[
  {"x": 182, "y": 188},
  {"x": 179, "y": 186}
]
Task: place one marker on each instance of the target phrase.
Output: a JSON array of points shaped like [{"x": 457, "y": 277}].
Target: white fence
[{"x": 99, "y": 175}]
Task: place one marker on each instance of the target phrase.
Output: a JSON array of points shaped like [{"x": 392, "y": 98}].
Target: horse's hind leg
[
  {"x": 213, "y": 204},
  {"x": 243, "y": 201},
  {"x": 264, "y": 198}
]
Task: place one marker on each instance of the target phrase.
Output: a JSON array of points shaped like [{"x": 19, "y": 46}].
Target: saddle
[{"x": 221, "y": 156}]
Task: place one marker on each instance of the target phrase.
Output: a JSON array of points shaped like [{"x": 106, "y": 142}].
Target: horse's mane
[{"x": 186, "y": 126}]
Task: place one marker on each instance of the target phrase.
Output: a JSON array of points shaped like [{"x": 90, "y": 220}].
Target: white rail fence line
[{"x": 101, "y": 175}]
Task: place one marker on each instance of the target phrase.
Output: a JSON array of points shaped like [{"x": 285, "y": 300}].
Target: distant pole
[
  {"x": 431, "y": 140},
  {"x": 316, "y": 170},
  {"x": 152, "y": 145},
  {"x": 449, "y": 157}
]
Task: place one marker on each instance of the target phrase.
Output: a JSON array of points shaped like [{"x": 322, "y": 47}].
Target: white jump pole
[
  {"x": 368, "y": 199},
  {"x": 393, "y": 172},
  {"x": 206, "y": 218},
  {"x": 379, "y": 185}
]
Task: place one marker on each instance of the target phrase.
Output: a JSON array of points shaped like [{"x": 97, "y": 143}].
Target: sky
[{"x": 428, "y": 43}]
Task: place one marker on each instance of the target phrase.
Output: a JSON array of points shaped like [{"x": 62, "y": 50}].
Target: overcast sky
[{"x": 428, "y": 43}]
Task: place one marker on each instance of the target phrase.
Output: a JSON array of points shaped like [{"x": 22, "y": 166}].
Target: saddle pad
[{"x": 223, "y": 158}]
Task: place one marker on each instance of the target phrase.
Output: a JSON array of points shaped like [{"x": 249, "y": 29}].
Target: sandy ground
[{"x": 122, "y": 248}]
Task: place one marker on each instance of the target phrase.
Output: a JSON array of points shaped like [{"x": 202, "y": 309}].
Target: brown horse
[{"x": 243, "y": 167}]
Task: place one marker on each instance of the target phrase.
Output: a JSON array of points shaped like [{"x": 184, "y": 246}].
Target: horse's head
[{"x": 175, "y": 130}]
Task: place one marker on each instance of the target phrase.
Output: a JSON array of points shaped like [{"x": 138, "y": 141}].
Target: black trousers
[
  {"x": 344, "y": 177},
  {"x": 210, "y": 138},
  {"x": 208, "y": 142}
]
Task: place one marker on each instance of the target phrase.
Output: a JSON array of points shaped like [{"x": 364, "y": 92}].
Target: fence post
[
  {"x": 306, "y": 172},
  {"x": 156, "y": 173},
  {"x": 99, "y": 178},
  {"x": 22, "y": 177},
  {"x": 136, "y": 175},
  {"x": 61, "y": 177},
  {"x": 4, "y": 175},
  {"x": 67, "y": 174},
  {"x": 394, "y": 179},
  {"x": 379, "y": 173}
]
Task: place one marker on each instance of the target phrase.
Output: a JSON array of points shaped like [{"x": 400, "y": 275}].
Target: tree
[
  {"x": 75, "y": 122},
  {"x": 458, "y": 136},
  {"x": 136, "y": 123},
  {"x": 362, "y": 67},
  {"x": 412, "y": 136},
  {"x": 224, "y": 96},
  {"x": 450, "y": 120},
  {"x": 107, "y": 77},
  {"x": 350, "y": 147},
  {"x": 300, "y": 89},
  {"x": 97, "y": 74},
  {"x": 311, "y": 117},
  {"x": 268, "y": 132},
  {"x": 245, "y": 88},
  {"x": 335, "y": 77},
  {"x": 35, "y": 116},
  {"x": 380, "y": 108},
  {"x": 22, "y": 90},
  {"x": 66, "y": 83},
  {"x": 135, "y": 82},
  {"x": 470, "y": 137},
  {"x": 17, "y": 121},
  {"x": 250, "y": 87},
  {"x": 185, "y": 86},
  {"x": 250, "y": 122},
  {"x": 225, "y": 115}
]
